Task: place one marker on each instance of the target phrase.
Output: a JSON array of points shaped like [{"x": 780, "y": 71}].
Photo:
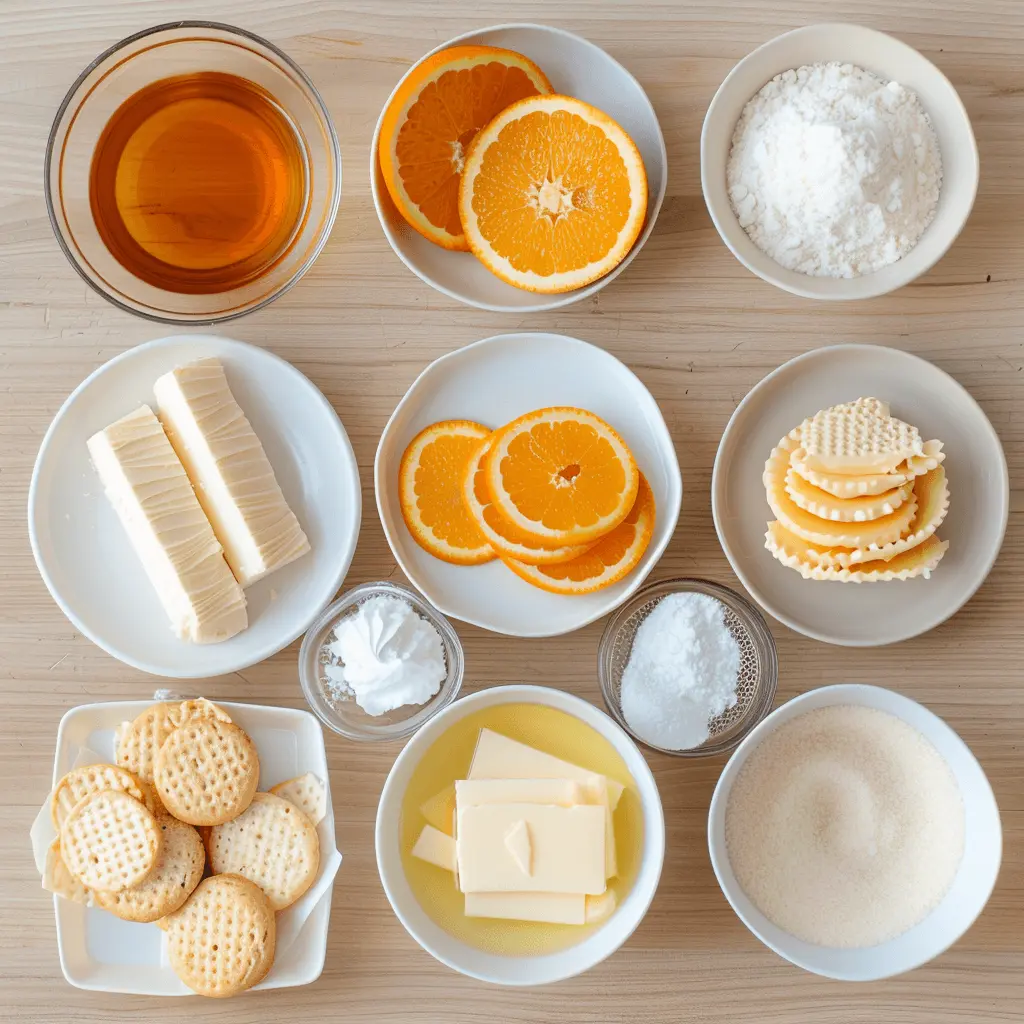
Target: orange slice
[
  {"x": 498, "y": 532},
  {"x": 560, "y": 476},
  {"x": 553, "y": 195},
  {"x": 607, "y": 562},
  {"x": 430, "y": 122},
  {"x": 430, "y": 492}
]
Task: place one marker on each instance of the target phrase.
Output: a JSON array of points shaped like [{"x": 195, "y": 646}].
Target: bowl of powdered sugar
[
  {"x": 838, "y": 163},
  {"x": 854, "y": 833}
]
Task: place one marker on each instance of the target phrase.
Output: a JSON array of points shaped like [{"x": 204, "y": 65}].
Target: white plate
[
  {"x": 864, "y": 614},
  {"x": 492, "y": 382},
  {"x": 105, "y": 954},
  {"x": 84, "y": 554},
  {"x": 575, "y": 67}
]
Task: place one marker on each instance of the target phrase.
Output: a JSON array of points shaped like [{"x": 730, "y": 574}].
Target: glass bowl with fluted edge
[
  {"x": 759, "y": 664},
  {"x": 339, "y": 711}
]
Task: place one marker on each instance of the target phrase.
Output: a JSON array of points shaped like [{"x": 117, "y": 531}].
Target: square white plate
[{"x": 101, "y": 952}]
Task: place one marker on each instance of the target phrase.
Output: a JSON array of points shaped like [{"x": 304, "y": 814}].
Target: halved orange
[
  {"x": 553, "y": 195},
  {"x": 607, "y": 562},
  {"x": 430, "y": 122},
  {"x": 560, "y": 476},
  {"x": 430, "y": 492},
  {"x": 501, "y": 534}
]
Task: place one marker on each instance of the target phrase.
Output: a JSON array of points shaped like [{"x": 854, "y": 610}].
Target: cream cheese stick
[
  {"x": 147, "y": 486},
  {"x": 233, "y": 478}
]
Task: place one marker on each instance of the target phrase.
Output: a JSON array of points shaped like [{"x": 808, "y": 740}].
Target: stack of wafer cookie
[
  {"x": 129, "y": 842},
  {"x": 857, "y": 496}
]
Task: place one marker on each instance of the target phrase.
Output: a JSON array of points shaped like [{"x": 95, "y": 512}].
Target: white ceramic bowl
[
  {"x": 492, "y": 382},
  {"x": 891, "y": 60},
  {"x": 519, "y": 970},
  {"x": 575, "y": 67},
  {"x": 87, "y": 560},
  {"x": 971, "y": 888}
]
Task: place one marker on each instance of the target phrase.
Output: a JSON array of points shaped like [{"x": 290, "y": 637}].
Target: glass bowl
[
  {"x": 343, "y": 714},
  {"x": 759, "y": 664},
  {"x": 188, "y": 48}
]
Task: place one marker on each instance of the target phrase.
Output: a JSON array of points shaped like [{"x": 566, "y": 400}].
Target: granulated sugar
[
  {"x": 834, "y": 172},
  {"x": 845, "y": 827},
  {"x": 682, "y": 672}
]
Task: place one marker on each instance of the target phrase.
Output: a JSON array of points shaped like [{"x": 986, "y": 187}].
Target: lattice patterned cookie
[
  {"x": 94, "y": 778},
  {"x": 207, "y": 772},
  {"x": 59, "y": 880},
  {"x": 308, "y": 793},
  {"x": 273, "y": 844}
]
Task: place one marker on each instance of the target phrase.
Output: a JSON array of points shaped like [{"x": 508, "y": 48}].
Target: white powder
[
  {"x": 845, "y": 827},
  {"x": 833, "y": 172},
  {"x": 682, "y": 672}
]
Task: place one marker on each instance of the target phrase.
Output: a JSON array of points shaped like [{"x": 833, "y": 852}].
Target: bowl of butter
[{"x": 520, "y": 836}]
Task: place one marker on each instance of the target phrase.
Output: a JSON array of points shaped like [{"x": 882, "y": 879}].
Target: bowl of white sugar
[
  {"x": 838, "y": 163},
  {"x": 854, "y": 833}
]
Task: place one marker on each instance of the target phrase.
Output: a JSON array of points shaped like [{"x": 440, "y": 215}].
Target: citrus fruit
[
  {"x": 560, "y": 476},
  {"x": 430, "y": 492},
  {"x": 498, "y": 532},
  {"x": 553, "y": 195},
  {"x": 607, "y": 562},
  {"x": 431, "y": 120}
]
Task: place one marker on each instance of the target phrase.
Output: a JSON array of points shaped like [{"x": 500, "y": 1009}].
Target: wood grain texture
[{"x": 696, "y": 327}]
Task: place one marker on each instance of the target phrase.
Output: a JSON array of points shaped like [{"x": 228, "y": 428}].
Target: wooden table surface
[{"x": 696, "y": 327}]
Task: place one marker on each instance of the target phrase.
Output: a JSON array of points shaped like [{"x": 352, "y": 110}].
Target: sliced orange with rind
[
  {"x": 500, "y": 533},
  {"x": 430, "y": 492},
  {"x": 608, "y": 561},
  {"x": 430, "y": 122},
  {"x": 553, "y": 195},
  {"x": 561, "y": 476}
]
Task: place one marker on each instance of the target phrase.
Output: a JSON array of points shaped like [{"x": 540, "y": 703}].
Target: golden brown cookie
[
  {"x": 273, "y": 844},
  {"x": 307, "y": 792},
  {"x": 207, "y": 772},
  {"x": 221, "y": 942},
  {"x": 58, "y": 880},
  {"x": 178, "y": 870},
  {"x": 94, "y": 778}
]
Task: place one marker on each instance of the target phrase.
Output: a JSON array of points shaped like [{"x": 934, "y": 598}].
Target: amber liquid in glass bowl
[{"x": 199, "y": 183}]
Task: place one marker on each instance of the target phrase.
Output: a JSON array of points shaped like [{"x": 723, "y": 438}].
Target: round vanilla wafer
[
  {"x": 94, "y": 778},
  {"x": 307, "y": 792},
  {"x": 873, "y": 483},
  {"x": 110, "y": 841},
  {"x": 862, "y": 509},
  {"x": 177, "y": 872},
  {"x": 207, "y": 771},
  {"x": 273, "y": 844},
  {"x": 222, "y": 941}
]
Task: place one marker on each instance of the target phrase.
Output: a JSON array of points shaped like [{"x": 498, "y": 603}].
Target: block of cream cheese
[
  {"x": 147, "y": 485},
  {"x": 436, "y": 848},
  {"x": 531, "y": 848},
  {"x": 498, "y": 757},
  {"x": 233, "y": 478},
  {"x": 550, "y": 907}
]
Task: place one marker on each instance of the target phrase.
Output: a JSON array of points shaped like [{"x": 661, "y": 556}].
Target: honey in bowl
[
  {"x": 199, "y": 183},
  {"x": 552, "y": 732}
]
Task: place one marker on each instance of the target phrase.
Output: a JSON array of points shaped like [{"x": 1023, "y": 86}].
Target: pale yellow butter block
[
  {"x": 498, "y": 757},
  {"x": 565, "y": 848},
  {"x": 596, "y": 792},
  {"x": 561, "y": 792},
  {"x": 435, "y": 847},
  {"x": 439, "y": 810},
  {"x": 233, "y": 478},
  {"x": 600, "y": 908},
  {"x": 548, "y": 907},
  {"x": 152, "y": 496}
]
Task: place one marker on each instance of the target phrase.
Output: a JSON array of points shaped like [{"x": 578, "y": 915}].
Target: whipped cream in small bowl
[{"x": 380, "y": 662}]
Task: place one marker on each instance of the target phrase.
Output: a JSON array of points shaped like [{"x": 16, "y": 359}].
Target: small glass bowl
[
  {"x": 344, "y": 715},
  {"x": 759, "y": 663},
  {"x": 186, "y": 47}
]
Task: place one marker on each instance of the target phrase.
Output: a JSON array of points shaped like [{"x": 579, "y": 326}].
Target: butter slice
[
  {"x": 597, "y": 793},
  {"x": 600, "y": 908},
  {"x": 439, "y": 810},
  {"x": 566, "y": 847},
  {"x": 498, "y": 757},
  {"x": 561, "y": 792},
  {"x": 549, "y": 907},
  {"x": 233, "y": 478},
  {"x": 147, "y": 486},
  {"x": 435, "y": 848}
]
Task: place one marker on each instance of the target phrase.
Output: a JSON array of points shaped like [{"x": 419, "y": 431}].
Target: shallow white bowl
[
  {"x": 492, "y": 382},
  {"x": 575, "y": 67},
  {"x": 87, "y": 561},
  {"x": 519, "y": 970},
  {"x": 967, "y": 896},
  {"x": 891, "y": 60}
]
